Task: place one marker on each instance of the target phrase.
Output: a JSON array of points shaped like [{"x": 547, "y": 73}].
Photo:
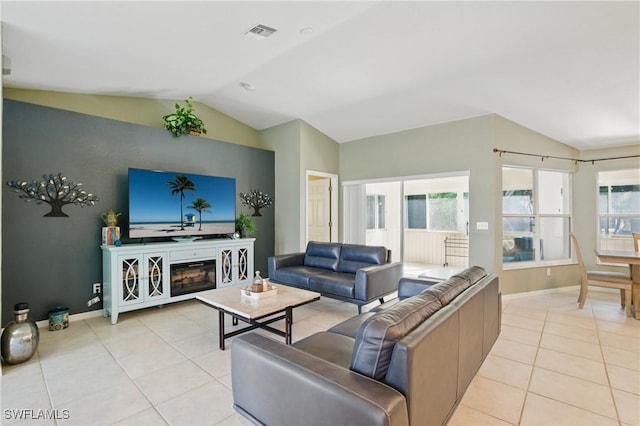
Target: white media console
[{"x": 136, "y": 276}]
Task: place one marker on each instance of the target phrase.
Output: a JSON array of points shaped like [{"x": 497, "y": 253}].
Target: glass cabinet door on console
[
  {"x": 236, "y": 265},
  {"x": 143, "y": 277},
  {"x": 138, "y": 276}
]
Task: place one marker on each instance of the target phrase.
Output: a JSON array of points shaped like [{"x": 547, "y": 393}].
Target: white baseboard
[
  {"x": 539, "y": 292},
  {"x": 75, "y": 317},
  {"x": 575, "y": 288}
]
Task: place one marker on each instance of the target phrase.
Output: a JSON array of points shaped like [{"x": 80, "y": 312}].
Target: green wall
[
  {"x": 147, "y": 112},
  {"x": 586, "y": 195},
  {"x": 285, "y": 141},
  {"x": 468, "y": 145},
  {"x": 299, "y": 147},
  {"x": 513, "y": 137},
  {"x": 456, "y": 146},
  {"x": 319, "y": 153}
]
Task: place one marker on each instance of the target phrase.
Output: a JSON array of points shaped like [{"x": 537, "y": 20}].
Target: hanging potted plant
[{"x": 184, "y": 121}]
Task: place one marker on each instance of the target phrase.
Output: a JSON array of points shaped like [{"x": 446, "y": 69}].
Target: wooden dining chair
[{"x": 602, "y": 279}]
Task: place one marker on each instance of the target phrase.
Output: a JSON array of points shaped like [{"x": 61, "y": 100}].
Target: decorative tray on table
[{"x": 248, "y": 293}]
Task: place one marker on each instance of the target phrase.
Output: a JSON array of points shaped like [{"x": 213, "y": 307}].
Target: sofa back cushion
[
  {"x": 378, "y": 334},
  {"x": 473, "y": 274},
  {"x": 448, "y": 290},
  {"x": 354, "y": 257},
  {"x": 322, "y": 255}
]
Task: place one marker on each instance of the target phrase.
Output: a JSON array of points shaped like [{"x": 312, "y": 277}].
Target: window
[
  {"x": 437, "y": 211},
  {"x": 443, "y": 211},
  {"x": 536, "y": 215},
  {"x": 375, "y": 211},
  {"x": 416, "y": 211},
  {"x": 618, "y": 208}
]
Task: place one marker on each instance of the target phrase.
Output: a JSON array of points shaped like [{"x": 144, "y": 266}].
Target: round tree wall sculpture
[
  {"x": 255, "y": 199},
  {"x": 54, "y": 190}
]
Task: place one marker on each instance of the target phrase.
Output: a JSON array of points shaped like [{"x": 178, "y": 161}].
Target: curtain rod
[{"x": 575, "y": 160}]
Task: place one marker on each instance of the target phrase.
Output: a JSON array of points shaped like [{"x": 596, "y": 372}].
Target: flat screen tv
[{"x": 180, "y": 205}]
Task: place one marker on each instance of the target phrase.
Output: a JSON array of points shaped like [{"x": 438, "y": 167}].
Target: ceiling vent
[{"x": 260, "y": 32}]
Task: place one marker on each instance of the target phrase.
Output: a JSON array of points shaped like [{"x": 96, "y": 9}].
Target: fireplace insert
[{"x": 192, "y": 277}]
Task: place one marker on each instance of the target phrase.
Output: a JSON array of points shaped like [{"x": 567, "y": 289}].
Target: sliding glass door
[{"x": 423, "y": 220}]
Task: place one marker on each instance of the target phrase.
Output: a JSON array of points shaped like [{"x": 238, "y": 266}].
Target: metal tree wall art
[
  {"x": 54, "y": 190},
  {"x": 255, "y": 199}
]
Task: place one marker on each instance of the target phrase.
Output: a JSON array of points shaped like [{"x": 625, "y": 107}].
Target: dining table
[{"x": 631, "y": 258}]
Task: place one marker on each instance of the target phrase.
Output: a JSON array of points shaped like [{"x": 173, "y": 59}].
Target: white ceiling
[{"x": 569, "y": 70}]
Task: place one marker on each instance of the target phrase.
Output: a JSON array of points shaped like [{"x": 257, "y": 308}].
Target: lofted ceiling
[{"x": 352, "y": 69}]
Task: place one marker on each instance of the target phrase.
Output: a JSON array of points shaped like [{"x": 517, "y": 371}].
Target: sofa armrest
[
  {"x": 373, "y": 282},
  {"x": 283, "y": 260},
  {"x": 276, "y": 384},
  {"x": 409, "y": 287}
]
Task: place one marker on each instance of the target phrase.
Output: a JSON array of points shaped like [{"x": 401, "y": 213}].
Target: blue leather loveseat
[{"x": 354, "y": 273}]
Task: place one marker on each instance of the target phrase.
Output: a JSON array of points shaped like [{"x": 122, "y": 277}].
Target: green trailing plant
[
  {"x": 184, "y": 121},
  {"x": 244, "y": 224}
]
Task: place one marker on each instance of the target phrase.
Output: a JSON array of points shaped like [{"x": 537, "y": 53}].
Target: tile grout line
[
  {"x": 606, "y": 369},
  {"x": 533, "y": 367},
  {"x": 129, "y": 377}
]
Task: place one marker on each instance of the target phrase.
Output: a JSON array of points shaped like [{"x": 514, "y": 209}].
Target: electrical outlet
[
  {"x": 482, "y": 226},
  {"x": 97, "y": 288}
]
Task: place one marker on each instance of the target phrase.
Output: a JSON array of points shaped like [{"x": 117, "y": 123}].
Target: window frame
[
  {"x": 538, "y": 217},
  {"x": 625, "y": 241},
  {"x": 379, "y": 204},
  {"x": 461, "y": 216}
]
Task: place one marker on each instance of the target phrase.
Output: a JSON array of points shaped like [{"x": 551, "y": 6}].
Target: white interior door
[{"x": 319, "y": 209}]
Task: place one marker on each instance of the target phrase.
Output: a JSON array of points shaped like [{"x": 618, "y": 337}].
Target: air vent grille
[{"x": 260, "y": 32}]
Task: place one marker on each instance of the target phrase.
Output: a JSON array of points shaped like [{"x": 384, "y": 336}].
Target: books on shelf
[{"x": 110, "y": 234}]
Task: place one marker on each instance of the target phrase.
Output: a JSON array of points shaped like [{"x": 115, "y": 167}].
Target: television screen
[{"x": 180, "y": 205}]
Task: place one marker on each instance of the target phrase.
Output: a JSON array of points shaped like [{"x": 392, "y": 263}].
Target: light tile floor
[{"x": 553, "y": 364}]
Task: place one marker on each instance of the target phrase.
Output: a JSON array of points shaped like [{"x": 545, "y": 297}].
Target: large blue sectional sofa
[{"x": 354, "y": 273}]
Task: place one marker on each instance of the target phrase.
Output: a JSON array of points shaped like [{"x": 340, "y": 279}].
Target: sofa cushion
[
  {"x": 379, "y": 333},
  {"x": 335, "y": 283},
  {"x": 333, "y": 347},
  {"x": 473, "y": 274},
  {"x": 354, "y": 257},
  {"x": 322, "y": 255},
  {"x": 297, "y": 276},
  {"x": 448, "y": 290}
]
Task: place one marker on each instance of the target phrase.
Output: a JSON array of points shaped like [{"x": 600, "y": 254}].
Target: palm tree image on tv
[
  {"x": 179, "y": 185},
  {"x": 200, "y": 205},
  {"x": 154, "y": 211}
]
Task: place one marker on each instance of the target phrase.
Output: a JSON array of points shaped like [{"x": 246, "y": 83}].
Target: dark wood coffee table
[{"x": 258, "y": 313}]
